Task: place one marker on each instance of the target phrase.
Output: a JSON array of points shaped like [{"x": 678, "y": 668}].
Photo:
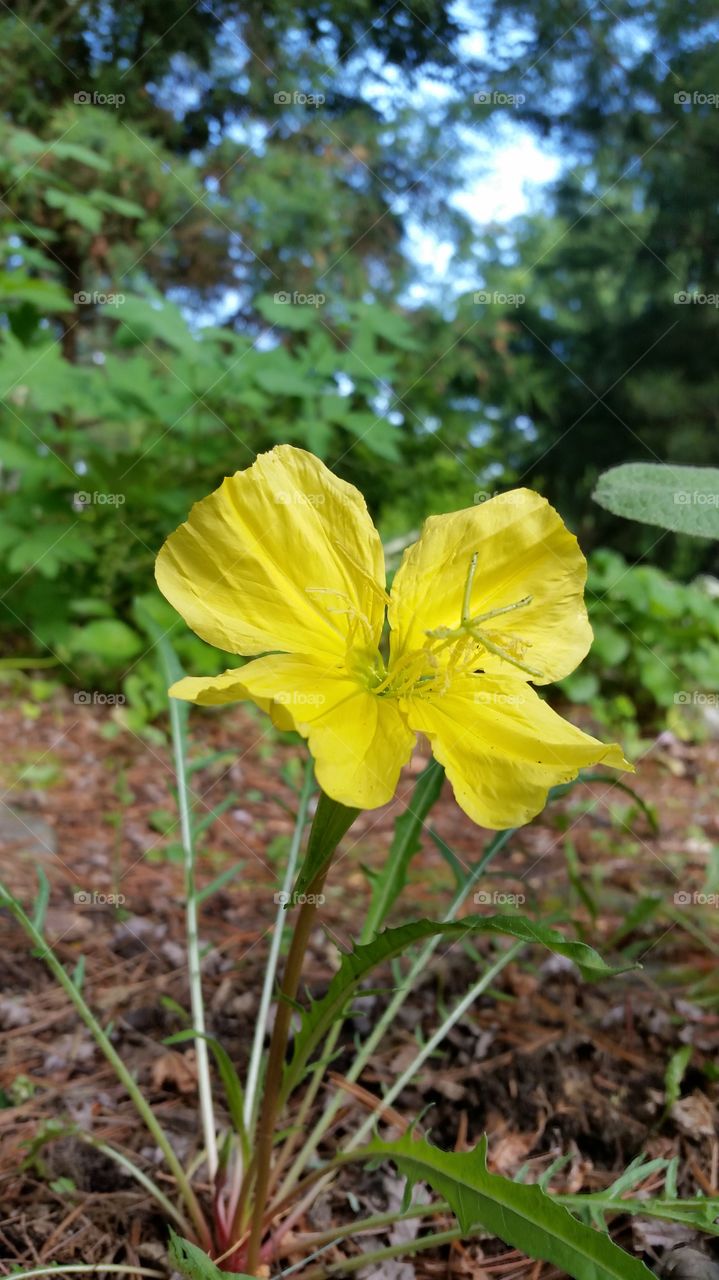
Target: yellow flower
[{"x": 283, "y": 560}]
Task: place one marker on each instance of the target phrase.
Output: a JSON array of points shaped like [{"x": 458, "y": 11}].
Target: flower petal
[
  {"x": 283, "y": 556},
  {"x": 359, "y": 741},
  {"x": 503, "y": 747},
  {"x": 217, "y": 691},
  {"x": 523, "y": 549}
]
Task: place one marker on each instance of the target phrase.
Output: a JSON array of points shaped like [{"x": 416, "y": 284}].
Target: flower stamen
[{"x": 472, "y": 626}]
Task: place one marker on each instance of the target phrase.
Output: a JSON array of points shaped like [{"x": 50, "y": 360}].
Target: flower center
[{"x": 472, "y": 627}]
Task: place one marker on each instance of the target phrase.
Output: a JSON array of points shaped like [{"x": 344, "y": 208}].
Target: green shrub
[{"x": 656, "y": 643}]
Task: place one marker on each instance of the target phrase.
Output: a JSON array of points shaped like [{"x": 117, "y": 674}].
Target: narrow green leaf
[
  {"x": 701, "y": 1212},
  {"x": 676, "y": 1069},
  {"x": 231, "y": 1081},
  {"x": 520, "y": 1215},
  {"x": 390, "y": 881},
  {"x": 42, "y": 898}
]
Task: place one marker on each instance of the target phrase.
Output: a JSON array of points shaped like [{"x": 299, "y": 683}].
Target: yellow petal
[
  {"x": 211, "y": 691},
  {"x": 523, "y": 549},
  {"x": 503, "y": 747},
  {"x": 359, "y": 741},
  {"x": 283, "y": 556}
]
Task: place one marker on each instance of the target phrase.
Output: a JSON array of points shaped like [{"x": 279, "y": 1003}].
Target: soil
[{"x": 547, "y": 1065}]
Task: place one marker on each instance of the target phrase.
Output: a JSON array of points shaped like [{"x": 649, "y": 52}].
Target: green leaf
[
  {"x": 388, "y": 883},
  {"x": 700, "y": 1212},
  {"x": 43, "y": 294},
  {"x": 228, "y": 1075},
  {"x": 356, "y": 964},
  {"x": 117, "y": 204},
  {"x": 83, "y": 155},
  {"x": 520, "y": 1215},
  {"x": 682, "y": 499},
  {"x": 676, "y": 1069},
  {"x": 286, "y": 313},
  {"x": 107, "y": 638},
  {"x": 47, "y": 548},
  {"x": 75, "y": 208},
  {"x": 193, "y": 1262},
  {"x": 611, "y": 645},
  {"x": 580, "y": 686},
  {"x": 145, "y": 319},
  {"x": 329, "y": 824}
]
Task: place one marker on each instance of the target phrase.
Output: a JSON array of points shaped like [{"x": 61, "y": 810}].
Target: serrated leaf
[
  {"x": 193, "y": 1262},
  {"x": 521, "y": 1215},
  {"x": 681, "y": 499}
]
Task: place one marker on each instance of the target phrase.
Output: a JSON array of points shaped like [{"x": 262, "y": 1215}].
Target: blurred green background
[{"x": 225, "y": 226}]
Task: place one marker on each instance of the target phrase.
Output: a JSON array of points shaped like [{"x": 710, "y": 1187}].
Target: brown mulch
[{"x": 546, "y": 1065}]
